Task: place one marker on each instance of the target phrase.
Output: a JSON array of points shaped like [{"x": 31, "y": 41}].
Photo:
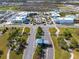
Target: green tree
[
  {"x": 62, "y": 43},
  {"x": 74, "y": 44},
  {"x": 39, "y": 32},
  {"x": 67, "y": 34},
  {"x": 1, "y": 53}
]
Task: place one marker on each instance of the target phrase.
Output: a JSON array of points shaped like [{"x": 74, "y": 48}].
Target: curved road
[
  {"x": 50, "y": 50},
  {"x": 28, "y": 52}
]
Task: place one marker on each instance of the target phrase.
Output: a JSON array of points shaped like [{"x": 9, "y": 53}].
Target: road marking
[{"x": 47, "y": 53}]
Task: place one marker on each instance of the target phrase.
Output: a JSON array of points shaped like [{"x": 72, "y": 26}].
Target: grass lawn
[
  {"x": 39, "y": 48},
  {"x": 59, "y": 53},
  {"x": 36, "y": 56},
  {"x": 9, "y": 8},
  {"x": 74, "y": 31},
  {"x": 13, "y": 55},
  {"x": 68, "y": 13},
  {"x": 76, "y": 55},
  {"x": 75, "y": 34},
  {"x": 3, "y": 43}
]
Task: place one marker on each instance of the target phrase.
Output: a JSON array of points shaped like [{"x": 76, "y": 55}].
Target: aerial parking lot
[{"x": 24, "y": 17}]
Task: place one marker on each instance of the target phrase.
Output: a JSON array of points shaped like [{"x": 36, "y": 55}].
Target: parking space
[{"x": 35, "y": 18}]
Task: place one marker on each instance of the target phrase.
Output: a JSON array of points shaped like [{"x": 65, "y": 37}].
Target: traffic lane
[
  {"x": 28, "y": 53},
  {"x": 29, "y": 49},
  {"x": 49, "y": 50}
]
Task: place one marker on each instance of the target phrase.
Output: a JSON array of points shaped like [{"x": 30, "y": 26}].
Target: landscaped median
[
  {"x": 39, "y": 48},
  {"x": 67, "y": 42},
  {"x": 38, "y": 52}
]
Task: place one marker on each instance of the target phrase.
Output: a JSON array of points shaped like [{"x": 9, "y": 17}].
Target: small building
[{"x": 20, "y": 19}]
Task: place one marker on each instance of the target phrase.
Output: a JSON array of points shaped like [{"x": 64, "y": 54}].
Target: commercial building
[
  {"x": 19, "y": 18},
  {"x": 69, "y": 19}
]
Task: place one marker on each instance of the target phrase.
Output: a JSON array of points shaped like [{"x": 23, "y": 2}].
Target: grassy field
[
  {"x": 3, "y": 42},
  {"x": 13, "y": 55},
  {"x": 76, "y": 55},
  {"x": 68, "y": 13},
  {"x": 75, "y": 34},
  {"x": 59, "y": 53},
  {"x": 75, "y": 37},
  {"x": 9, "y": 8}
]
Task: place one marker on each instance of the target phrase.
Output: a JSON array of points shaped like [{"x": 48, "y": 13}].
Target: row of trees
[
  {"x": 16, "y": 42},
  {"x": 4, "y": 30}
]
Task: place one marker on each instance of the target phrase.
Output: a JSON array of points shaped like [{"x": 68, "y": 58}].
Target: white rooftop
[
  {"x": 8, "y": 22},
  {"x": 67, "y": 17},
  {"x": 55, "y": 14},
  {"x": 22, "y": 13},
  {"x": 19, "y": 17}
]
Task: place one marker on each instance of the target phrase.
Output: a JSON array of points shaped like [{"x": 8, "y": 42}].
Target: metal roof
[
  {"x": 19, "y": 17},
  {"x": 65, "y": 20},
  {"x": 55, "y": 13}
]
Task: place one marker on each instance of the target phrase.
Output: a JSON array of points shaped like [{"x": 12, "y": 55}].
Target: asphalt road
[
  {"x": 50, "y": 26},
  {"x": 49, "y": 51},
  {"x": 29, "y": 51}
]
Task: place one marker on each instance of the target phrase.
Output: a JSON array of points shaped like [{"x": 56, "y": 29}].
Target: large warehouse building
[
  {"x": 19, "y": 18},
  {"x": 69, "y": 19}
]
